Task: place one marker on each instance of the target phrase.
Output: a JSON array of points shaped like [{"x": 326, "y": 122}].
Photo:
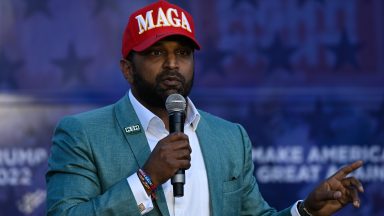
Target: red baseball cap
[{"x": 154, "y": 22}]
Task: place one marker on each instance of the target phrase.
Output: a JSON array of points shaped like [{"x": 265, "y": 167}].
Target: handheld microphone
[{"x": 175, "y": 105}]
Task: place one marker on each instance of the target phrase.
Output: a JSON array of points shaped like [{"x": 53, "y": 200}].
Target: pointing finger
[{"x": 343, "y": 172}]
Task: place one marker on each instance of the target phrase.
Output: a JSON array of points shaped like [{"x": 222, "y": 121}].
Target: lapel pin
[{"x": 132, "y": 129}]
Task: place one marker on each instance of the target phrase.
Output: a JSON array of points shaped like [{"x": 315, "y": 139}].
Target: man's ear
[{"x": 126, "y": 68}]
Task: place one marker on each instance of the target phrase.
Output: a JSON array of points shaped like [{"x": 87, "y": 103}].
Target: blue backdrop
[{"x": 305, "y": 77}]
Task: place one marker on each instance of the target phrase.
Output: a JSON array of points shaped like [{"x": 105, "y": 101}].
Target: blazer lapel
[
  {"x": 210, "y": 151},
  {"x": 134, "y": 133}
]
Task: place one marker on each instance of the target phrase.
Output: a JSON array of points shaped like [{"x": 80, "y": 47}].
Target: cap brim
[{"x": 150, "y": 41}]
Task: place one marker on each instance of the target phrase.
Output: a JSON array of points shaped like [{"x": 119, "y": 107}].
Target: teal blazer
[{"x": 94, "y": 152}]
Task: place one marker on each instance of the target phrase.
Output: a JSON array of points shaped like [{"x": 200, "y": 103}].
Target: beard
[{"x": 155, "y": 94}]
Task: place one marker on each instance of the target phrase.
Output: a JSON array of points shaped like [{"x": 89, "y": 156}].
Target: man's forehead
[{"x": 183, "y": 41}]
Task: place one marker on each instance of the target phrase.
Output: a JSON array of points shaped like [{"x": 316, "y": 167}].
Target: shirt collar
[{"x": 145, "y": 116}]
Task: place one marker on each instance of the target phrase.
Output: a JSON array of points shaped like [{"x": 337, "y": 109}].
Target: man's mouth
[{"x": 172, "y": 81}]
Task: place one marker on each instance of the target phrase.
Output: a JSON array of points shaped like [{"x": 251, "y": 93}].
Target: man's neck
[{"x": 160, "y": 112}]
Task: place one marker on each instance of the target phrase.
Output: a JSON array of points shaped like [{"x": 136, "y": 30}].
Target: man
[{"x": 118, "y": 160}]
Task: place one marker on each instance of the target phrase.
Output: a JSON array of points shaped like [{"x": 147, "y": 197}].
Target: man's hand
[
  {"x": 170, "y": 154},
  {"x": 335, "y": 192}
]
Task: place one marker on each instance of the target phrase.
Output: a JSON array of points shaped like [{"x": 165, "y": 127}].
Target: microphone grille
[{"x": 175, "y": 103}]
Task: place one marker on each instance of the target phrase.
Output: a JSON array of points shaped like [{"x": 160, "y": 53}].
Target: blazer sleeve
[
  {"x": 73, "y": 187},
  {"x": 252, "y": 200}
]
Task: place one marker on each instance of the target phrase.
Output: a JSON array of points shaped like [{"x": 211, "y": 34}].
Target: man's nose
[{"x": 171, "y": 61}]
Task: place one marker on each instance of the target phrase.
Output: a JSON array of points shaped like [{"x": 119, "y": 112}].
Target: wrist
[
  {"x": 150, "y": 173},
  {"x": 303, "y": 211},
  {"x": 146, "y": 181}
]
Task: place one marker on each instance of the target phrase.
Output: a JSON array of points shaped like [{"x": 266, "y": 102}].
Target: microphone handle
[
  {"x": 176, "y": 124},
  {"x": 178, "y": 181}
]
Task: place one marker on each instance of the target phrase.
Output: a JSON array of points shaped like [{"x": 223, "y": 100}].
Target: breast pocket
[{"x": 232, "y": 192}]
